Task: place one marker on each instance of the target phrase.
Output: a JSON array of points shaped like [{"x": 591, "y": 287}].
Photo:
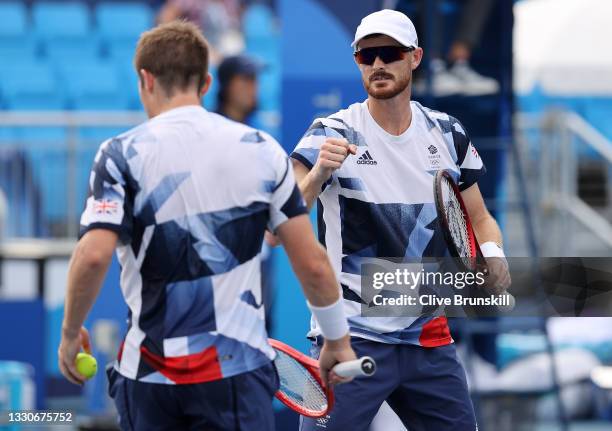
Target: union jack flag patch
[{"x": 105, "y": 206}]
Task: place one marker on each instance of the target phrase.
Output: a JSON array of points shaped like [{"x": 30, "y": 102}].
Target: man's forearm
[
  {"x": 310, "y": 187},
  {"x": 487, "y": 229},
  {"x": 319, "y": 283},
  {"x": 332, "y": 154},
  {"x": 85, "y": 279}
]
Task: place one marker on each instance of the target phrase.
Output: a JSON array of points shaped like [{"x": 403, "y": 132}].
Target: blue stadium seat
[
  {"x": 17, "y": 48},
  {"x": 123, "y": 20},
  {"x": 66, "y": 50},
  {"x": 15, "y": 42},
  {"x": 64, "y": 31},
  {"x": 120, "y": 26},
  {"x": 61, "y": 19},
  {"x": 121, "y": 49},
  {"x": 14, "y": 19},
  {"x": 30, "y": 85},
  {"x": 93, "y": 85}
]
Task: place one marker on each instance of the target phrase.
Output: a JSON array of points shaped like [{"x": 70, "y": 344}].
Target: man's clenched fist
[{"x": 331, "y": 155}]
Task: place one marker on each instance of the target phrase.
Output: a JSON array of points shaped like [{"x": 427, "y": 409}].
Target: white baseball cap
[{"x": 391, "y": 23}]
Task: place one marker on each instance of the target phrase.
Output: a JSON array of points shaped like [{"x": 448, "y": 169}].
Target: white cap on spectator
[{"x": 391, "y": 23}]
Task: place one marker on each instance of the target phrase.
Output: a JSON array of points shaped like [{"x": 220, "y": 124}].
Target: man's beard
[{"x": 396, "y": 88}]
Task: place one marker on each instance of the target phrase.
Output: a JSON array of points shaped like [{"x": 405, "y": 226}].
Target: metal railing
[
  {"x": 560, "y": 144},
  {"x": 548, "y": 148}
]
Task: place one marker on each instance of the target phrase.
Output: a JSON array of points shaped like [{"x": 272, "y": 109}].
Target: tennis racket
[
  {"x": 459, "y": 234},
  {"x": 301, "y": 388},
  {"x": 456, "y": 225}
]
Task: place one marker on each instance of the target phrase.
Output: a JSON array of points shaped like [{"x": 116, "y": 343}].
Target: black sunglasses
[{"x": 388, "y": 54}]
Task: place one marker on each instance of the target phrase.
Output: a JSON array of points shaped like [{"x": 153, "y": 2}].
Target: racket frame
[
  {"x": 480, "y": 263},
  {"x": 312, "y": 366}
]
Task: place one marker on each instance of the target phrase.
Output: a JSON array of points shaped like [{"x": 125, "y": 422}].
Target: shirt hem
[
  {"x": 255, "y": 366},
  {"x": 297, "y": 156}
]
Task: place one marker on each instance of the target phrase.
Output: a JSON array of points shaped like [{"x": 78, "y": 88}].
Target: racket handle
[{"x": 364, "y": 366}]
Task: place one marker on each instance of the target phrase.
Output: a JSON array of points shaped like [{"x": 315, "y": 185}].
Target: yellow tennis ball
[{"x": 86, "y": 365}]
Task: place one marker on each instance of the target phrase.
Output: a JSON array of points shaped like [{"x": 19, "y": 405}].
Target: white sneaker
[
  {"x": 444, "y": 83},
  {"x": 472, "y": 82}
]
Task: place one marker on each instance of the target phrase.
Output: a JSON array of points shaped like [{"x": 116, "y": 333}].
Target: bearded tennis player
[
  {"x": 370, "y": 167},
  {"x": 185, "y": 199}
]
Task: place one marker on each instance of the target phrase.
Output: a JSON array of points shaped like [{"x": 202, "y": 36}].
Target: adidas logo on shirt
[{"x": 366, "y": 159}]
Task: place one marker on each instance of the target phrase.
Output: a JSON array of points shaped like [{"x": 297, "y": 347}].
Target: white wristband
[
  {"x": 331, "y": 319},
  {"x": 492, "y": 249}
]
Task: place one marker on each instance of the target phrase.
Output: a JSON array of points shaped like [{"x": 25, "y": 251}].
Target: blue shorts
[
  {"x": 426, "y": 387},
  {"x": 242, "y": 402}
]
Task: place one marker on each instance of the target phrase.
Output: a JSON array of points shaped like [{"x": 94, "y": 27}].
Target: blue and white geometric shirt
[
  {"x": 190, "y": 195},
  {"x": 380, "y": 203}
]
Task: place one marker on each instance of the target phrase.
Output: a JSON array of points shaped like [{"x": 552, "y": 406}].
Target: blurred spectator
[
  {"x": 460, "y": 77},
  {"x": 237, "y": 96},
  {"x": 218, "y": 19},
  {"x": 455, "y": 75}
]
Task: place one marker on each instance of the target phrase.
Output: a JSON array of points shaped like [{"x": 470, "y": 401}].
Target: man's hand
[
  {"x": 69, "y": 347},
  {"x": 271, "y": 239},
  {"x": 332, "y": 353},
  {"x": 332, "y": 154},
  {"x": 88, "y": 266},
  {"x": 498, "y": 279}
]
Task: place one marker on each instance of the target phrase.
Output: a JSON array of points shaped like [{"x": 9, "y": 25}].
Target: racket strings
[
  {"x": 298, "y": 385},
  {"x": 456, "y": 222}
]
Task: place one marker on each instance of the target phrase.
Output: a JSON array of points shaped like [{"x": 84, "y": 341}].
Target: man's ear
[
  {"x": 206, "y": 85},
  {"x": 355, "y": 58},
  {"x": 147, "y": 79},
  {"x": 417, "y": 56}
]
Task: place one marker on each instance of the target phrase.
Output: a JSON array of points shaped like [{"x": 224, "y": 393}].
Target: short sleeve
[
  {"x": 307, "y": 150},
  {"x": 108, "y": 205},
  {"x": 286, "y": 201},
  {"x": 468, "y": 160}
]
